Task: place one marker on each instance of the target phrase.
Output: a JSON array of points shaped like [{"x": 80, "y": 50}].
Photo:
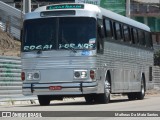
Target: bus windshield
[{"x": 59, "y": 33}]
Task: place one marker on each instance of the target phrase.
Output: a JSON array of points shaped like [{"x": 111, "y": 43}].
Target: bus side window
[
  {"x": 108, "y": 28},
  {"x": 126, "y": 33},
  {"x": 134, "y": 35},
  {"x": 114, "y": 30},
  {"x": 141, "y": 37},
  {"x": 100, "y": 40},
  {"x": 118, "y": 31},
  {"x": 148, "y": 39}
]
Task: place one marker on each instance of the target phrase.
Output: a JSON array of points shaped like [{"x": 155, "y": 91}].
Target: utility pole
[
  {"x": 128, "y": 8},
  {"x": 26, "y": 6}
]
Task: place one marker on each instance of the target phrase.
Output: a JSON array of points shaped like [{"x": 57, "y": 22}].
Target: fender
[{"x": 101, "y": 82}]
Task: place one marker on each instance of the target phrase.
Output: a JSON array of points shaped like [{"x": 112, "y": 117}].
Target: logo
[
  {"x": 95, "y": 2},
  {"x": 6, "y": 114}
]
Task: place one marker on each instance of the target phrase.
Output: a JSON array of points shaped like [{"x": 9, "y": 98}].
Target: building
[
  {"x": 148, "y": 12},
  {"x": 145, "y": 11},
  {"x": 35, "y": 3}
]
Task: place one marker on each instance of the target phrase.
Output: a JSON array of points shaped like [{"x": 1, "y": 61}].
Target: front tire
[
  {"x": 104, "y": 98},
  {"x": 89, "y": 99},
  {"x": 44, "y": 100}
]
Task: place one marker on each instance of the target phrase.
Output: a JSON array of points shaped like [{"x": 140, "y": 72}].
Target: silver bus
[{"x": 72, "y": 50}]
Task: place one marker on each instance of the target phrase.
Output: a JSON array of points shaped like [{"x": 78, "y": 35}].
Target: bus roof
[
  {"x": 94, "y": 8},
  {"x": 123, "y": 19}
]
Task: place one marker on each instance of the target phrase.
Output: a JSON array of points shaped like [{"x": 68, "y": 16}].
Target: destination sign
[{"x": 65, "y": 6}]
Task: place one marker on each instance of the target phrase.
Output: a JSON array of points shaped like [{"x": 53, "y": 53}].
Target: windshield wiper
[
  {"x": 39, "y": 51},
  {"x": 70, "y": 48}
]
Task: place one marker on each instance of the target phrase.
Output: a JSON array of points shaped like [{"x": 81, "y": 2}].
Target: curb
[
  {"x": 33, "y": 101},
  {"x": 18, "y": 100}
]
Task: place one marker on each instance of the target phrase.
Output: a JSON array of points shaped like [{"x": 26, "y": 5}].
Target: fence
[
  {"x": 10, "y": 80},
  {"x": 156, "y": 77},
  {"x": 10, "y": 19}
]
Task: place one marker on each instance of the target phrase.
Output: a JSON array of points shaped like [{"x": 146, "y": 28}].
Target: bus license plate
[{"x": 55, "y": 87}]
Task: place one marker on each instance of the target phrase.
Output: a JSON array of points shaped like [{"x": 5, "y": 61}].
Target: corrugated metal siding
[
  {"x": 10, "y": 19},
  {"x": 156, "y": 70},
  {"x": 156, "y": 77},
  {"x": 10, "y": 81},
  {"x": 59, "y": 62}
]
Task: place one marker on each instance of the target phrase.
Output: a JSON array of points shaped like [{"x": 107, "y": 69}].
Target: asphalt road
[{"x": 117, "y": 109}]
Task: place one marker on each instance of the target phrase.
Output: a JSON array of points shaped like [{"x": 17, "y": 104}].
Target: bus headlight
[
  {"x": 77, "y": 74},
  {"x": 33, "y": 75},
  {"x": 29, "y": 76},
  {"x": 80, "y": 74},
  {"x": 83, "y": 74},
  {"x": 36, "y": 75}
]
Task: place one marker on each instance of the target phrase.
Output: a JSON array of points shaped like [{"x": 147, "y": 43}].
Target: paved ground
[
  {"x": 28, "y": 100},
  {"x": 120, "y": 104}
]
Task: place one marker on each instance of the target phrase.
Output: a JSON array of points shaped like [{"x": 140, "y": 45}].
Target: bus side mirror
[{"x": 101, "y": 31}]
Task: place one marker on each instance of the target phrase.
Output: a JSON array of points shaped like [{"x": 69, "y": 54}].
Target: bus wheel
[
  {"x": 105, "y": 97},
  {"x": 89, "y": 99},
  {"x": 43, "y": 100},
  {"x": 141, "y": 94}
]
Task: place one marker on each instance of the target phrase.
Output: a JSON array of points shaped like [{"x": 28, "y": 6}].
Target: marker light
[
  {"x": 22, "y": 76},
  {"x": 92, "y": 74}
]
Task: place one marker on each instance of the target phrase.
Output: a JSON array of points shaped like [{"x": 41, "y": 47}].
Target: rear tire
[
  {"x": 132, "y": 96},
  {"x": 44, "y": 100},
  {"x": 141, "y": 94},
  {"x": 138, "y": 95}
]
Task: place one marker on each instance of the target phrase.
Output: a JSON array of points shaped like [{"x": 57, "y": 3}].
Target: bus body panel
[
  {"x": 60, "y": 69},
  {"x": 127, "y": 63}
]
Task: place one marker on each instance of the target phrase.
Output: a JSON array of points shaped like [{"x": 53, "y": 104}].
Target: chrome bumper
[{"x": 68, "y": 88}]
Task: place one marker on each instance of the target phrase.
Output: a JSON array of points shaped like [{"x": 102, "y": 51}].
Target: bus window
[
  {"x": 134, "y": 36},
  {"x": 114, "y": 30},
  {"x": 100, "y": 42},
  {"x": 141, "y": 37},
  {"x": 118, "y": 31},
  {"x": 126, "y": 33},
  {"x": 108, "y": 28},
  {"x": 148, "y": 39}
]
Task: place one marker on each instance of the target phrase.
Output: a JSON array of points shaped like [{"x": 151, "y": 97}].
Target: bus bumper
[{"x": 76, "y": 88}]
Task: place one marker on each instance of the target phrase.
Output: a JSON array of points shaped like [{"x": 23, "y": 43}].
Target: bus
[{"x": 82, "y": 50}]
